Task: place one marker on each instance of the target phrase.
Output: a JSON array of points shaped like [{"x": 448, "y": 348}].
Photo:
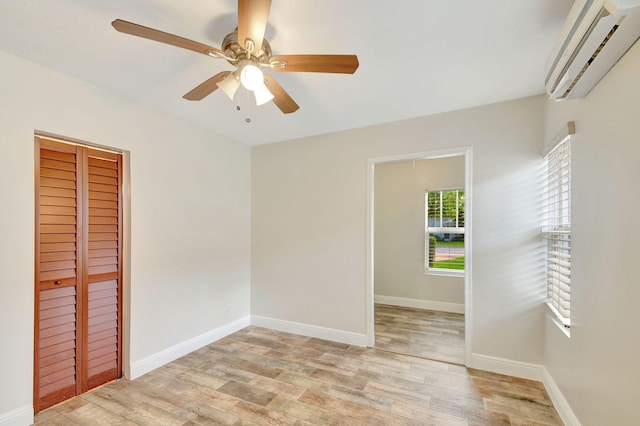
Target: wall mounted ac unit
[{"x": 595, "y": 36}]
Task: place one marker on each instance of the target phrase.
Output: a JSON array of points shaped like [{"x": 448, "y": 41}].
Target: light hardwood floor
[
  {"x": 258, "y": 376},
  {"x": 420, "y": 332}
]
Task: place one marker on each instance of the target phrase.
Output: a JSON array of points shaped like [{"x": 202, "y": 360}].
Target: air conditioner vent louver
[
  {"x": 587, "y": 49},
  {"x": 595, "y": 54}
]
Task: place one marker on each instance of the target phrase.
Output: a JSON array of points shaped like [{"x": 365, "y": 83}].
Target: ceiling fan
[{"x": 248, "y": 51}]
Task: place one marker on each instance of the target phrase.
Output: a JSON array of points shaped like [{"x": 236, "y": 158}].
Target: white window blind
[{"x": 557, "y": 229}]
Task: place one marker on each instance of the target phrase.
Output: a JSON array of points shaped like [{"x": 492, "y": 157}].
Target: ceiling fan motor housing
[{"x": 233, "y": 49}]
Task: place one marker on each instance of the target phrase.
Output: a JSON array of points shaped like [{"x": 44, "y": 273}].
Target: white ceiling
[{"x": 417, "y": 57}]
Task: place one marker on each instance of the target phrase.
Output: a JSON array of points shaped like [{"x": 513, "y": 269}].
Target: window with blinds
[
  {"x": 557, "y": 230},
  {"x": 444, "y": 231}
]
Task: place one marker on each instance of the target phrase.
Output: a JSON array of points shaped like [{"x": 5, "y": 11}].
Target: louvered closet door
[
  {"x": 103, "y": 325},
  {"x": 58, "y": 274},
  {"x": 78, "y": 291}
]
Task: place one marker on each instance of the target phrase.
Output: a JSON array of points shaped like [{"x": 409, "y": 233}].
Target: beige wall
[
  {"x": 309, "y": 222},
  {"x": 399, "y": 219},
  {"x": 597, "y": 368},
  {"x": 309, "y": 214},
  {"x": 189, "y": 216}
]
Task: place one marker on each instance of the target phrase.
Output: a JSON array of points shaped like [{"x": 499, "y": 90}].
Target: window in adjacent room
[
  {"x": 444, "y": 245},
  {"x": 557, "y": 229}
]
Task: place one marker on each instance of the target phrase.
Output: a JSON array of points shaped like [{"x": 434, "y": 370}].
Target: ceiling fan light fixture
[
  {"x": 229, "y": 85},
  {"x": 262, "y": 94},
  {"x": 247, "y": 51},
  {"x": 251, "y": 77}
]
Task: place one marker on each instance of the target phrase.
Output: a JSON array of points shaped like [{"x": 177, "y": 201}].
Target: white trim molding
[
  {"x": 18, "y": 417},
  {"x": 174, "y": 352},
  {"x": 467, "y": 152},
  {"x": 332, "y": 334},
  {"x": 507, "y": 367},
  {"x": 432, "y": 305},
  {"x": 529, "y": 371},
  {"x": 559, "y": 401}
]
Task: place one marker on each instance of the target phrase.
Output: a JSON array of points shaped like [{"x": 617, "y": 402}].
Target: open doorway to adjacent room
[{"x": 420, "y": 249}]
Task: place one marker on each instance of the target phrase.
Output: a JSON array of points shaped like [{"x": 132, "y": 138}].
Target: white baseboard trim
[
  {"x": 161, "y": 358},
  {"x": 457, "y": 308},
  {"x": 508, "y": 367},
  {"x": 532, "y": 372},
  {"x": 18, "y": 417},
  {"x": 340, "y": 336},
  {"x": 559, "y": 401}
]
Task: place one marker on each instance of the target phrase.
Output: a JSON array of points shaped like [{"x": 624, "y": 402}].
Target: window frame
[
  {"x": 459, "y": 230},
  {"x": 557, "y": 227}
]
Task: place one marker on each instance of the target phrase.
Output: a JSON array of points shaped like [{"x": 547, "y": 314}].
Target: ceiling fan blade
[
  {"x": 207, "y": 87},
  {"x": 280, "y": 97},
  {"x": 252, "y": 22},
  {"x": 162, "y": 37},
  {"x": 344, "y": 64}
]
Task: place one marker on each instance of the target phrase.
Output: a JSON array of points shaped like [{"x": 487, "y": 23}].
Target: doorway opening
[{"x": 418, "y": 295}]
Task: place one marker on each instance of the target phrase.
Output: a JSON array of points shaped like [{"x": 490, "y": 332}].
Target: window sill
[
  {"x": 445, "y": 272},
  {"x": 553, "y": 317}
]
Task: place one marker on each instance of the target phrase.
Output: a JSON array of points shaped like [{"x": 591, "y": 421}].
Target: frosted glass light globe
[{"x": 251, "y": 77}]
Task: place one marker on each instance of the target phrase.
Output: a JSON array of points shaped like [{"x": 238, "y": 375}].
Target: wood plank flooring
[
  {"x": 420, "y": 332},
  {"x": 258, "y": 376}
]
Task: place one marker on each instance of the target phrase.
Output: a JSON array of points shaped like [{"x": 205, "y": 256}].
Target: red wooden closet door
[
  {"x": 103, "y": 277},
  {"x": 58, "y": 243},
  {"x": 78, "y": 315}
]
